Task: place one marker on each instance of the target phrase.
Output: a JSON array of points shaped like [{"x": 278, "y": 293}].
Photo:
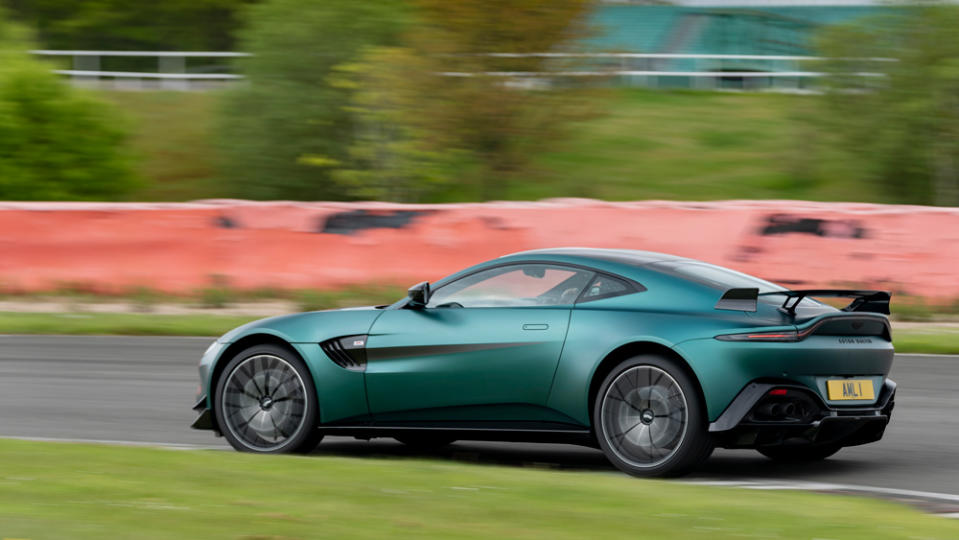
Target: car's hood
[{"x": 310, "y": 327}]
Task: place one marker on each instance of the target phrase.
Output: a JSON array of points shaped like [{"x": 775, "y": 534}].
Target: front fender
[
  {"x": 310, "y": 327},
  {"x": 341, "y": 392}
]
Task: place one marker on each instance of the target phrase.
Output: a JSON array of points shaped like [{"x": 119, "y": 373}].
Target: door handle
[{"x": 535, "y": 327}]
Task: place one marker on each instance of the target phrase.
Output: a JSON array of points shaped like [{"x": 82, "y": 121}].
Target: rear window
[
  {"x": 713, "y": 276},
  {"x": 723, "y": 279}
]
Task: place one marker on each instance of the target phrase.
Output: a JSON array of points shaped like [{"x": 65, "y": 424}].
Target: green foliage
[
  {"x": 918, "y": 309},
  {"x": 912, "y": 309},
  {"x": 356, "y": 295},
  {"x": 311, "y": 300},
  {"x": 777, "y": 153},
  {"x": 905, "y": 122},
  {"x": 218, "y": 294},
  {"x": 363, "y": 118},
  {"x": 173, "y": 142},
  {"x": 56, "y": 143},
  {"x": 498, "y": 122},
  {"x": 144, "y": 298},
  {"x": 290, "y": 128},
  {"x": 389, "y": 158},
  {"x": 124, "y": 25}
]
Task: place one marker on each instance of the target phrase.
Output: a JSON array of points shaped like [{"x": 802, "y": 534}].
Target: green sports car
[{"x": 653, "y": 358}]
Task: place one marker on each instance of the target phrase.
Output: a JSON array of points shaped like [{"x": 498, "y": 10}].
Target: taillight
[{"x": 779, "y": 335}]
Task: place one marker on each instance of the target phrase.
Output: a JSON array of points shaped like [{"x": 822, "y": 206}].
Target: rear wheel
[
  {"x": 266, "y": 402},
  {"x": 799, "y": 454},
  {"x": 649, "y": 419}
]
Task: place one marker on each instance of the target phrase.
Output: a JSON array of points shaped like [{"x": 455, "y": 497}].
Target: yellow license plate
[{"x": 858, "y": 389}]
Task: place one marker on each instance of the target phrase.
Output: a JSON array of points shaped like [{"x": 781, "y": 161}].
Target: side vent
[{"x": 347, "y": 352}]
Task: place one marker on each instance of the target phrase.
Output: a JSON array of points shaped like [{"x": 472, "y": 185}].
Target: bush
[
  {"x": 285, "y": 132},
  {"x": 218, "y": 295},
  {"x": 122, "y": 25},
  {"x": 56, "y": 143},
  {"x": 905, "y": 121}
]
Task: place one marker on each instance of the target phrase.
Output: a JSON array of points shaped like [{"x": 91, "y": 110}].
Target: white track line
[
  {"x": 823, "y": 486},
  {"x": 837, "y": 488},
  {"x": 169, "y": 446}
]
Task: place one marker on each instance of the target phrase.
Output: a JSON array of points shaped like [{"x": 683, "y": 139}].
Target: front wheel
[
  {"x": 649, "y": 419},
  {"x": 799, "y": 454},
  {"x": 266, "y": 402}
]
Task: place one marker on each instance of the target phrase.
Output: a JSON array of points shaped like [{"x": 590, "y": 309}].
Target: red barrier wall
[{"x": 180, "y": 247}]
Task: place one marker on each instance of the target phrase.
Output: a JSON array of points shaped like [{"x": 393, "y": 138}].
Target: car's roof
[
  {"x": 631, "y": 257},
  {"x": 643, "y": 266}
]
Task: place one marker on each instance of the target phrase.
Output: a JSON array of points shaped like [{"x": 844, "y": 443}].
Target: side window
[
  {"x": 514, "y": 286},
  {"x": 605, "y": 287}
]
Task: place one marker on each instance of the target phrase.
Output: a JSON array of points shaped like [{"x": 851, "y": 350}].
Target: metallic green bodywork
[{"x": 537, "y": 364}]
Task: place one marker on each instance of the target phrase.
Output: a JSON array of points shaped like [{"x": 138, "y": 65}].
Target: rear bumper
[{"x": 739, "y": 426}]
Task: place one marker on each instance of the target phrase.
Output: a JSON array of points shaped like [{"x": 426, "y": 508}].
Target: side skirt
[{"x": 578, "y": 436}]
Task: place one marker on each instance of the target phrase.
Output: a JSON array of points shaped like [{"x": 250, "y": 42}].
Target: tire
[
  {"x": 799, "y": 454},
  {"x": 266, "y": 402},
  {"x": 643, "y": 395},
  {"x": 427, "y": 442}
]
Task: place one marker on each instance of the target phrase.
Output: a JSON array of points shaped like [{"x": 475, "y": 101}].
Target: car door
[{"x": 485, "y": 347}]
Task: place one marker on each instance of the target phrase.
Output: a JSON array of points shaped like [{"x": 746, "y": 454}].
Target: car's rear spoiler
[{"x": 864, "y": 301}]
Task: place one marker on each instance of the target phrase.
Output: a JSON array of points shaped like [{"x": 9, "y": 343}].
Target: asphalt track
[{"x": 140, "y": 390}]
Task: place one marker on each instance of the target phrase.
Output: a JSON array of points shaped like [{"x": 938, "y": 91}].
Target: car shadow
[{"x": 723, "y": 465}]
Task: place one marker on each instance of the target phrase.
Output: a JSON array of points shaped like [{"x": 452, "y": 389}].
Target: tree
[
  {"x": 499, "y": 121},
  {"x": 179, "y": 25},
  {"x": 287, "y": 131},
  {"x": 56, "y": 143},
  {"x": 388, "y": 159},
  {"x": 905, "y": 121}
]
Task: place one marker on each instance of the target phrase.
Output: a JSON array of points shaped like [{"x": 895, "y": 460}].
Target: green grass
[
  {"x": 931, "y": 339},
  {"x": 697, "y": 146},
  {"x": 646, "y": 144},
  {"x": 55, "y": 490},
  {"x": 127, "y": 324}
]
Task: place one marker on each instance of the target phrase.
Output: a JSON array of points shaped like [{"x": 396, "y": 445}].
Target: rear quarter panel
[{"x": 598, "y": 328}]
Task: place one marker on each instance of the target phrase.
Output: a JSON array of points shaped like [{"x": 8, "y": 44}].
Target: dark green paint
[{"x": 498, "y": 364}]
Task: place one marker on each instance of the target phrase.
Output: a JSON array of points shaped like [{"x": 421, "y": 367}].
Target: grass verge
[
  {"x": 929, "y": 339},
  {"x": 55, "y": 490},
  {"x": 123, "y": 324}
]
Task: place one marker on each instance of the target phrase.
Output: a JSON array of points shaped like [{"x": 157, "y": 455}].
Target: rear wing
[{"x": 864, "y": 301}]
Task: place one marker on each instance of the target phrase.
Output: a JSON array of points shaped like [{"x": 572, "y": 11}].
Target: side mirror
[{"x": 419, "y": 295}]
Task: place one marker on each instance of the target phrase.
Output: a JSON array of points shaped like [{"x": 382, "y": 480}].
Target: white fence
[
  {"x": 171, "y": 73},
  {"x": 702, "y": 71}
]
